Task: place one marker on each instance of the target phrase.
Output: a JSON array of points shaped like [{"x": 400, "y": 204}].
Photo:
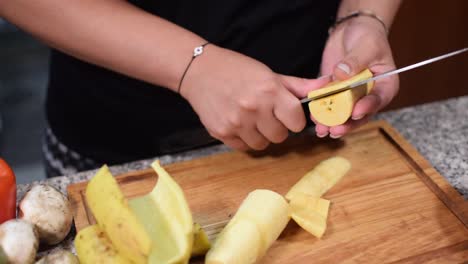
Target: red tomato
[{"x": 7, "y": 192}]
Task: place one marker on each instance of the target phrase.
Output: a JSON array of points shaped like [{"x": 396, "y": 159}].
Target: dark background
[
  {"x": 23, "y": 78},
  {"x": 422, "y": 29}
]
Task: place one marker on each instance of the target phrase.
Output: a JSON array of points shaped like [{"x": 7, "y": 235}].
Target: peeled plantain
[
  {"x": 321, "y": 178},
  {"x": 336, "y": 109},
  {"x": 256, "y": 225}
]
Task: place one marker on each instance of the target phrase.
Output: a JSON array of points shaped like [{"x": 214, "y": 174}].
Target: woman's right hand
[{"x": 242, "y": 102}]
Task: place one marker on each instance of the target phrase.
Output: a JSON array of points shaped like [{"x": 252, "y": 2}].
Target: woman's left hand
[{"x": 353, "y": 46}]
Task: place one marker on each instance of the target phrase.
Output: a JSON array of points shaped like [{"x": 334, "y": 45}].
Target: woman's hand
[
  {"x": 242, "y": 102},
  {"x": 353, "y": 46}
]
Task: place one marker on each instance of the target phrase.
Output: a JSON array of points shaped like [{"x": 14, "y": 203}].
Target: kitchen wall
[{"x": 425, "y": 29}]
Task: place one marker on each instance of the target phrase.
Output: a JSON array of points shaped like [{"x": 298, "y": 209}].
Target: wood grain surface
[{"x": 391, "y": 207}]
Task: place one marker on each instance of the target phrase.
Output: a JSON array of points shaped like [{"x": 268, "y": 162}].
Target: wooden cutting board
[{"x": 391, "y": 207}]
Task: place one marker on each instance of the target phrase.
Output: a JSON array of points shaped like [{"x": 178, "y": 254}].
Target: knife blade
[{"x": 386, "y": 74}]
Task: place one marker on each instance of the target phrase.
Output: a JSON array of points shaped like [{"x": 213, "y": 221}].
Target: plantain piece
[
  {"x": 114, "y": 217},
  {"x": 310, "y": 213},
  {"x": 308, "y": 203},
  {"x": 94, "y": 246},
  {"x": 308, "y": 210},
  {"x": 238, "y": 243},
  {"x": 320, "y": 179},
  {"x": 201, "y": 243},
  {"x": 336, "y": 109},
  {"x": 269, "y": 210},
  {"x": 310, "y": 221},
  {"x": 257, "y": 224},
  {"x": 167, "y": 219}
]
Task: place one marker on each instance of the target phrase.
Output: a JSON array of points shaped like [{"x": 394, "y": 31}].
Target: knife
[{"x": 385, "y": 74}]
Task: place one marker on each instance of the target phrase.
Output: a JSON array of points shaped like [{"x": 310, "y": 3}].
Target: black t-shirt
[{"x": 112, "y": 118}]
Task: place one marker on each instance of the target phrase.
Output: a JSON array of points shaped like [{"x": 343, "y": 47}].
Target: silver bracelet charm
[{"x": 197, "y": 51}]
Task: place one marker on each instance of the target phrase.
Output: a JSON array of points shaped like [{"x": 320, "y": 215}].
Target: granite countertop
[{"x": 438, "y": 130}]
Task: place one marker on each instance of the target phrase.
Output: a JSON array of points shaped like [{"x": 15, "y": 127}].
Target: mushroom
[
  {"x": 49, "y": 210},
  {"x": 19, "y": 241},
  {"x": 60, "y": 256}
]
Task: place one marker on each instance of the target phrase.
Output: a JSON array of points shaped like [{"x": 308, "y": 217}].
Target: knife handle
[{"x": 305, "y": 107}]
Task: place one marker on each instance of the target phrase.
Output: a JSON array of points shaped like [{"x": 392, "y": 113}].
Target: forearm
[
  {"x": 112, "y": 34},
  {"x": 385, "y": 9}
]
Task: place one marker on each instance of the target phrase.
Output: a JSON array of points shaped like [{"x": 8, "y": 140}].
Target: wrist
[
  {"x": 365, "y": 16},
  {"x": 171, "y": 67},
  {"x": 385, "y": 10},
  {"x": 201, "y": 65},
  {"x": 197, "y": 51},
  {"x": 369, "y": 22}
]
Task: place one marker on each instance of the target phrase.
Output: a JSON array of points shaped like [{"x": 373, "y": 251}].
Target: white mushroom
[
  {"x": 60, "y": 256},
  {"x": 19, "y": 241},
  {"x": 49, "y": 210}
]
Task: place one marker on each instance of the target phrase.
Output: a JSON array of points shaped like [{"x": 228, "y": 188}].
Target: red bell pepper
[{"x": 7, "y": 192}]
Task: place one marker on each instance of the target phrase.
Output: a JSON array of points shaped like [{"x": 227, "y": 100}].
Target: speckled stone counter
[{"x": 438, "y": 130}]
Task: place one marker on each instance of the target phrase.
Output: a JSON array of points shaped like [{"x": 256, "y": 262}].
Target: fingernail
[
  {"x": 324, "y": 77},
  {"x": 335, "y": 136},
  {"x": 344, "y": 67},
  {"x": 358, "y": 117},
  {"x": 322, "y": 135}
]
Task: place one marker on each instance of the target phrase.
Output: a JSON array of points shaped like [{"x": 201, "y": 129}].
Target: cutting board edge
[{"x": 434, "y": 181}]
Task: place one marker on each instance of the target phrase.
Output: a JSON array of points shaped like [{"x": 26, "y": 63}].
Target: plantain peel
[
  {"x": 94, "y": 246},
  {"x": 114, "y": 217},
  {"x": 166, "y": 216}
]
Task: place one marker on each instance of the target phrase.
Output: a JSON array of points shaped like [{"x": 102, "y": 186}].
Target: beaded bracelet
[
  {"x": 358, "y": 13},
  {"x": 197, "y": 51}
]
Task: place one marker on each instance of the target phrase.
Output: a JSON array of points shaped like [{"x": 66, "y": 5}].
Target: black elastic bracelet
[
  {"x": 197, "y": 51},
  {"x": 354, "y": 14}
]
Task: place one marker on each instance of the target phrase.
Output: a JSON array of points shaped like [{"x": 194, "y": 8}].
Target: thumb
[
  {"x": 300, "y": 87},
  {"x": 354, "y": 62}
]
